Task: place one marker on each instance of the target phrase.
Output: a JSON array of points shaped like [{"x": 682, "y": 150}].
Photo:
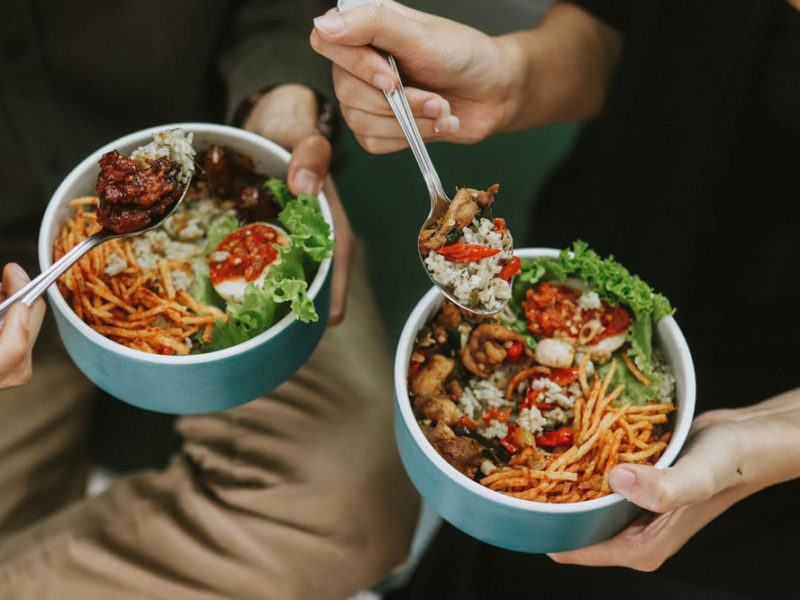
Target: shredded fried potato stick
[
  {"x": 137, "y": 308},
  {"x": 604, "y": 435}
]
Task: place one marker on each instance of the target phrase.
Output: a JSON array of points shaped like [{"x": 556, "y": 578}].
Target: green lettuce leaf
[
  {"x": 218, "y": 230},
  {"x": 286, "y": 286},
  {"x": 280, "y": 190},
  {"x": 616, "y": 285}
]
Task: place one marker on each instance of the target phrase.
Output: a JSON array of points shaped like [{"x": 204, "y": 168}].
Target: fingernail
[
  {"x": 331, "y": 24},
  {"x": 306, "y": 181},
  {"x": 435, "y": 108},
  {"x": 384, "y": 82},
  {"x": 19, "y": 274},
  {"x": 622, "y": 480},
  {"x": 448, "y": 124}
]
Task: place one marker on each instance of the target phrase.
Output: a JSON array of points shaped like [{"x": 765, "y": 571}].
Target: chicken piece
[
  {"x": 438, "y": 409},
  {"x": 450, "y": 317},
  {"x": 462, "y": 452},
  {"x": 486, "y": 351},
  {"x": 132, "y": 195},
  {"x": 455, "y": 390},
  {"x": 460, "y": 213},
  {"x": 429, "y": 380}
]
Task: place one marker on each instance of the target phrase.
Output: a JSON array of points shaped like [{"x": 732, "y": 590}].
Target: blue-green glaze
[
  {"x": 198, "y": 387},
  {"x": 509, "y": 527}
]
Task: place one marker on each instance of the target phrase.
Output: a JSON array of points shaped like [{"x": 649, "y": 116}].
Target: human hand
[
  {"x": 287, "y": 115},
  {"x": 458, "y": 80},
  {"x": 19, "y": 330},
  {"x": 718, "y": 468}
]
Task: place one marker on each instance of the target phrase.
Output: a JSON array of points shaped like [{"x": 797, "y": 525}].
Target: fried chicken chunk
[
  {"x": 462, "y": 452},
  {"x": 429, "y": 381},
  {"x": 460, "y": 213},
  {"x": 486, "y": 349},
  {"x": 133, "y": 195}
]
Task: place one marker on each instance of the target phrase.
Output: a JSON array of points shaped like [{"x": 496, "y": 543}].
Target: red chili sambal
[
  {"x": 250, "y": 249},
  {"x": 553, "y": 310}
]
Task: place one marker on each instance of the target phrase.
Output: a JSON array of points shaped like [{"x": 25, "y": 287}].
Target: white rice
[
  {"x": 115, "y": 264},
  {"x": 174, "y": 144},
  {"x": 482, "y": 394},
  {"x": 666, "y": 393},
  {"x": 494, "y": 429},
  {"x": 182, "y": 237},
  {"x": 532, "y": 420},
  {"x": 476, "y": 284}
]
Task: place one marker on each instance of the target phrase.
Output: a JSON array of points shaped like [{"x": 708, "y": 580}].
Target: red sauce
[
  {"x": 552, "y": 310},
  {"x": 250, "y": 249}
]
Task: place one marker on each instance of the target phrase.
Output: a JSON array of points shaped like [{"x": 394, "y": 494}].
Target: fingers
[
  {"x": 342, "y": 255},
  {"x": 355, "y": 93},
  {"x": 394, "y": 31},
  {"x": 661, "y": 491},
  {"x": 362, "y": 62},
  {"x": 311, "y": 157},
  {"x": 651, "y": 539},
  {"x": 19, "y": 331}
]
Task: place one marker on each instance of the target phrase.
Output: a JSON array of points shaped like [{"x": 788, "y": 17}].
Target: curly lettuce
[
  {"x": 616, "y": 285},
  {"x": 286, "y": 285}
]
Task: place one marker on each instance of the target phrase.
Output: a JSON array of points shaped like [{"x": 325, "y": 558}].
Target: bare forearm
[{"x": 561, "y": 69}]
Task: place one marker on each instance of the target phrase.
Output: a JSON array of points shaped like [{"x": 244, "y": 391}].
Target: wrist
[
  {"x": 283, "y": 111},
  {"x": 516, "y": 82}
]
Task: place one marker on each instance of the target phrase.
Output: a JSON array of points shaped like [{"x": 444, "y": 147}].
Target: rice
[
  {"x": 174, "y": 144},
  {"x": 494, "y": 429},
  {"x": 475, "y": 284},
  {"x": 182, "y": 237}
]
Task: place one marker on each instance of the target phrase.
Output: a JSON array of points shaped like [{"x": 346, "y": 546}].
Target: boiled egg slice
[{"x": 245, "y": 256}]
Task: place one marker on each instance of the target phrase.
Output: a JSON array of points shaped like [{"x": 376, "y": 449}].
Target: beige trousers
[{"x": 299, "y": 494}]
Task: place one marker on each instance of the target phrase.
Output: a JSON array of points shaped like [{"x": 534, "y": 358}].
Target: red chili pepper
[
  {"x": 515, "y": 352},
  {"x": 500, "y": 225},
  {"x": 559, "y": 437},
  {"x": 545, "y": 406},
  {"x": 498, "y": 414},
  {"x": 508, "y": 442},
  {"x": 415, "y": 365},
  {"x": 564, "y": 376},
  {"x": 465, "y": 421},
  {"x": 530, "y": 399},
  {"x": 464, "y": 253},
  {"x": 510, "y": 269}
]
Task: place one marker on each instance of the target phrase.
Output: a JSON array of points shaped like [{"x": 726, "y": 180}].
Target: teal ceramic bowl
[
  {"x": 195, "y": 383},
  {"x": 508, "y": 522}
]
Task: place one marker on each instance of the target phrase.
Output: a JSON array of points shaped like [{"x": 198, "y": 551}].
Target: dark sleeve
[
  {"x": 267, "y": 45},
  {"x": 616, "y": 13}
]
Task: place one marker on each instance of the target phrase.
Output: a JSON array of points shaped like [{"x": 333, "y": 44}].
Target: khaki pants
[{"x": 299, "y": 494}]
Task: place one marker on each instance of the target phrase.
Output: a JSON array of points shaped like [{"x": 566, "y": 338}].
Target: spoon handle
[
  {"x": 402, "y": 111},
  {"x": 30, "y": 292}
]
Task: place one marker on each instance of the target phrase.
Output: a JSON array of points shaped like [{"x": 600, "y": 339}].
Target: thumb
[
  {"x": 311, "y": 157},
  {"x": 688, "y": 482},
  {"x": 380, "y": 26}
]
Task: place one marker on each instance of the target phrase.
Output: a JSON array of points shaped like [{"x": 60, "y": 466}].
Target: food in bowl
[
  {"x": 471, "y": 254},
  {"x": 541, "y": 401},
  {"x": 135, "y": 192},
  {"x": 229, "y": 263}
]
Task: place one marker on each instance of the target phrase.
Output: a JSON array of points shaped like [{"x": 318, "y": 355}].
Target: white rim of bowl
[
  {"x": 423, "y": 311},
  {"x": 144, "y": 135}
]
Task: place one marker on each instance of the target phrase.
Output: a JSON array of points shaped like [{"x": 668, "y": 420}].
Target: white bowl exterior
[{"x": 668, "y": 336}]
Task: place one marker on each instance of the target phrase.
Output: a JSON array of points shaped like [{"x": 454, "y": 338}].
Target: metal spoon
[
  {"x": 439, "y": 201},
  {"x": 28, "y": 294}
]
